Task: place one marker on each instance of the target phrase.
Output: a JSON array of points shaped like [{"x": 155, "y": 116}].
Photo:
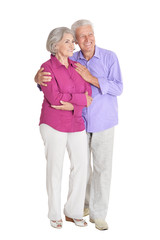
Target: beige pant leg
[
  {"x": 55, "y": 144},
  {"x": 102, "y": 149},
  {"x": 77, "y": 149}
]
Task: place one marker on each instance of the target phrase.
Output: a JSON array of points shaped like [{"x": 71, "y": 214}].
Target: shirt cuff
[
  {"x": 79, "y": 99},
  {"x": 103, "y": 83}
]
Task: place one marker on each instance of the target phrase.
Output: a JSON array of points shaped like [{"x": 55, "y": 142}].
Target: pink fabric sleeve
[{"x": 54, "y": 96}]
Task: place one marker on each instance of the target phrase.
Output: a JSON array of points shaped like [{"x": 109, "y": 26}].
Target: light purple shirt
[{"x": 103, "y": 112}]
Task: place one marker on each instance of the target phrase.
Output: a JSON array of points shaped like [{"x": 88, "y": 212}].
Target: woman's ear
[{"x": 55, "y": 48}]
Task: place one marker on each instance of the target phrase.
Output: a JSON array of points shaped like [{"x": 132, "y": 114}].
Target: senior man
[{"x": 101, "y": 69}]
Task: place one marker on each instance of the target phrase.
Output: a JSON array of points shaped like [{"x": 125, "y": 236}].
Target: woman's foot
[
  {"x": 56, "y": 224},
  {"x": 78, "y": 222}
]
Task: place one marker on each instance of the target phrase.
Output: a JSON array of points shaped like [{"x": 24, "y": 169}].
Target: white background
[{"x": 130, "y": 29}]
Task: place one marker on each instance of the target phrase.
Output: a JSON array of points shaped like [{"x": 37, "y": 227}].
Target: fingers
[
  {"x": 43, "y": 84},
  {"x": 80, "y": 66},
  {"x": 89, "y": 102},
  {"x": 87, "y": 96},
  {"x": 40, "y": 70},
  {"x": 61, "y": 107},
  {"x": 46, "y": 79},
  {"x": 62, "y": 102},
  {"x": 77, "y": 70},
  {"x": 45, "y": 73},
  {"x": 90, "y": 99},
  {"x": 65, "y": 106},
  {"x": 57, "y": 107}
]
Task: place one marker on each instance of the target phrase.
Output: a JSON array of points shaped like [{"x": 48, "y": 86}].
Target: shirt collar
[
  {"x": 56, "y": 63},
  {"x": 96, "y": 54}
]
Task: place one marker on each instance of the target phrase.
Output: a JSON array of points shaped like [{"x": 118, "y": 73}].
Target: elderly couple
[{"x": 79, "y": 112}]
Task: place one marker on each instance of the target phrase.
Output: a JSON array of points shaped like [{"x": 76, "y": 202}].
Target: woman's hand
[
  {"x": 41, "y": 77},
  {"x": 65, "y": 106},
  {"x": 89, "y": 99}
]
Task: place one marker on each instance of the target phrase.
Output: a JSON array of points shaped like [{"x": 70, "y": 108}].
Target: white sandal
[
  {"x": 56, "y": 224},
  {"x": 78, "y": 222}
]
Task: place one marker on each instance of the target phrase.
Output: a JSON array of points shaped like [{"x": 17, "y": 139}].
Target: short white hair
[
  {"x": 80, "y": 23},
  {"x": 56, "y": 36}
]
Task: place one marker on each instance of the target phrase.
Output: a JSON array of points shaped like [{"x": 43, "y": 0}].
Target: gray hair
[
  {"x": 80, "y": 23},
  {"x": 56, "y": 36}
]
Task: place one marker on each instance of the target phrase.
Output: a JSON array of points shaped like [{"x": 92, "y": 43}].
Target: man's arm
[
  {"x": 111, "y": 84},
  {"x": 41, "y": 78},
  {"x": 86, "y": 75}
]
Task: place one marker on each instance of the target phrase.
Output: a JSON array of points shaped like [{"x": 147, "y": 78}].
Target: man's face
[{"x": 85, "y": 38}]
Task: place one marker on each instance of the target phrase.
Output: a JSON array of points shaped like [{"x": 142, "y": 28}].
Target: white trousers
[
  {"x": 100, "y": 144},
  {"x": 55, "y": 143}
]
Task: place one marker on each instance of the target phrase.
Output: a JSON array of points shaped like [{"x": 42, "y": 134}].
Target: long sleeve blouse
[{"x": 66, "y": 85}]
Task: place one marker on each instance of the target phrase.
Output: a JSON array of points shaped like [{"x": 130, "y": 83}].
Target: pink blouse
[{"x": 66, "y": 85}]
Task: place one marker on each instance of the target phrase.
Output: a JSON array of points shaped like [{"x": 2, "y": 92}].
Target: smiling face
[
  {"x": 65, "y": 47},
  {"x": 85, "y": 39}
]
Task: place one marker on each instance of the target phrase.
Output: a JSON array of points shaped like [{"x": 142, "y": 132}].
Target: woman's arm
[{"x": 54, "y": 96}]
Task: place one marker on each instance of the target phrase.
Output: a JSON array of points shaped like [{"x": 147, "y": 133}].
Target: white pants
[
  {"x": 55, "y": 143},
  {"x": 100, "y": 144}
]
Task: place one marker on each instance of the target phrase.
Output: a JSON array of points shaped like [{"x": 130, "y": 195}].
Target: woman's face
[{"x": 66, "y": 46}]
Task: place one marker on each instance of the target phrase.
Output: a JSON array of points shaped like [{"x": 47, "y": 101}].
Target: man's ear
[{"x": 76, "y": 42}]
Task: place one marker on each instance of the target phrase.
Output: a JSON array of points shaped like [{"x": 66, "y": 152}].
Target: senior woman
[{"x": 60, "y": 129}]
